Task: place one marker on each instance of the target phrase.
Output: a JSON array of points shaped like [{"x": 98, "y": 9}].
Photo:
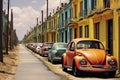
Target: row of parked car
[
  {"x": 81, "y": 55},
  {"x": 53, "y": 51}
]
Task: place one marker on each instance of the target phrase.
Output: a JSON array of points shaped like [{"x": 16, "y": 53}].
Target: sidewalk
[{"x": 30, "y": 68}]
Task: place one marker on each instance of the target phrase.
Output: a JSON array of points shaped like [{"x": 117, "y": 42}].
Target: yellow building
[
  {"x": 105, "y": 25},
  {"x": 83, "y": 26},
  {"x": 99, "y": 19},
  {"x": 40, "y": 33},
  {"x": 52, "y": 24},
  {"x": 29, "y": 38},
  {"x": 116, "y": 20}
]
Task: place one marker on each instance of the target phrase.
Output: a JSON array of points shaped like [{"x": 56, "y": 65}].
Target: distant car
[
  {"x": 45, "y": 48},
  {"x": 88, "y": 55},
  {"x": 56, "y": 51},
  {"x": 38, "y": 48},
  {"x": 32, "y": 46}
]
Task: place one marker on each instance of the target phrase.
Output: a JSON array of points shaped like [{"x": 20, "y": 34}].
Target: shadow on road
[{"x": 93, "y": 75}]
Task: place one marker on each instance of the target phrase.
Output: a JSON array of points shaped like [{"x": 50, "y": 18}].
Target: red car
[
  {"x": 88, "y": 55},
  {"x": 45, "y": 48}
]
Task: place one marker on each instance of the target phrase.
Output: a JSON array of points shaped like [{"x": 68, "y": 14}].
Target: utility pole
[
  {"x": 42, "y": 26},
  {"x": 7, "y": 27},
  {"x": 47, "y": 10},
  {"x": 11, "y": 31},
  {"x": 37, "y": 29},
  {"x": 1, "y": 25}
]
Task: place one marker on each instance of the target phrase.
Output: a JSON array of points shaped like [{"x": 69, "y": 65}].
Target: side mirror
[{"x": 107, "y": 51}]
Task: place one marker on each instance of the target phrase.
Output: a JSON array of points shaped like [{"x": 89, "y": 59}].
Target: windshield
[
  {"x": 61, "y": 45},
  {"x": 89, "y": 45},
  {"x": 49, "y": 44}
]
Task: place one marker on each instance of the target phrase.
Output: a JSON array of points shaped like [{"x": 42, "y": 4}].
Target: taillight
[{"x": 44, "y": 49}]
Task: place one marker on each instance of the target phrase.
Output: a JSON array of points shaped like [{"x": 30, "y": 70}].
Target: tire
[
  {"x": 52, "y": 61},
  {"x": 76, "y": 72},
  {"x": 63, "y": 67},
  {"x": 48, "y": 59},
  {"x": 111, "y": 74}
]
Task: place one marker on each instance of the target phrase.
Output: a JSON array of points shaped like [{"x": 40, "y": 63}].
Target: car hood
[{"x": 94, "y": 56}]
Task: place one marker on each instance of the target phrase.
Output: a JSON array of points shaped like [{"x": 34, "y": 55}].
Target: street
[{"x": 31, "y": 68}]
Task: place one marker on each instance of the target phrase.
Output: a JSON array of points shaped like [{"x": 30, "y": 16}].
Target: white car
[{"x": 38, "y": 48}]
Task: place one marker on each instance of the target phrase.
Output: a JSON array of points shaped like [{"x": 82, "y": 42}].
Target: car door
[
  {"x": 51, "y": 51},
  {"x": 70, "y": 53}
]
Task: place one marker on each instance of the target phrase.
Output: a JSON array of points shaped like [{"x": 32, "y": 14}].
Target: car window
[
  {"x": 53, "y": 47},
  {"x": 72, "y": 46},
  {"x": 61, "y": 45},
  {"x": 49, "y": 44},
  {"x": 89, "y": 45}
]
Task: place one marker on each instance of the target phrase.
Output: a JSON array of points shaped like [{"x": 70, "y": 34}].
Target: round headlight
[
  {"x": 111, "y": 62},
  {"x": 83, "y": 62}
]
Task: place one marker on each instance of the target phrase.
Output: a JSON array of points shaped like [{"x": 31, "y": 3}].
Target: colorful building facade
[
  {"x": 98, "y": 19},
  {"x": 65, "y": 15}
]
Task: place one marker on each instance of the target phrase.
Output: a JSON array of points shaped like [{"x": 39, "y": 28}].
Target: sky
[{"x": 27, "y": 11}]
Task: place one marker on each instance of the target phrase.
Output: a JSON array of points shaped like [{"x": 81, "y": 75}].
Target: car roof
[{"x": 81, "y": 39}]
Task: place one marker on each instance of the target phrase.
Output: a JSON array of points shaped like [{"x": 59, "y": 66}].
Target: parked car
[
  {"x": 56, "y": 51},
  {"x": 38, "y": 48},
  {"x": 45, "y": 48},
  {"x": 88, "y": 55}
]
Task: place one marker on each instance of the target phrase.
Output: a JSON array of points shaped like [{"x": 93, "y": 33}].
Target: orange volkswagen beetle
[{"x": 88, "y": 55}]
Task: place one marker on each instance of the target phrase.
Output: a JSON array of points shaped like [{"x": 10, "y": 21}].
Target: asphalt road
[{"x": 30, "y": 68}]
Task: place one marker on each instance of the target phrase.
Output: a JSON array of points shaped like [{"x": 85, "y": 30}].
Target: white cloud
[
  {"x": 53, "y": 5},
  {"x": 34, "y": 1},
  {"x": 24, "y": 18}
]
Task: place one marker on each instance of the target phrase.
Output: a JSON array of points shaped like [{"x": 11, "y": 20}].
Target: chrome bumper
[{"x": 97, "y": 69}]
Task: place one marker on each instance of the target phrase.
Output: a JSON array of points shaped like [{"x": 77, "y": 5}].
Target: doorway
[{"x": 110, "y": 36}]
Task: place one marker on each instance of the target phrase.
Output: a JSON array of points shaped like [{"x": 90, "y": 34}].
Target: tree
[{"x": 1, "y": 25}]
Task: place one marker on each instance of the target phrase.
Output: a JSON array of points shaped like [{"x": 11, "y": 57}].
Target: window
[
  {"x": 61, "y": 46},
  {"x": 66, "y": 17},
  {"x": 70, "y": 34},
  {"x": 70, "y": 13},
  {"x": 62, "y": 37},
  {"x": 80, "y": 31},
  {"x": 54, "y": 23},
  {"x": 72, "y": 46},
  {"x": 93, "y": 2},
  {"x": 96, "y": 29},
  {"x": 106, "y": 3},
  {"x": 86, "y": 31},
  {"x": 66, "y": 36},
  {"x": 85, "y": 7},
  {"x": 75, "y": 33},
  {"x": 75, "y": 11},
  {"x": 62, "y": 20},
  {"x": 89, "y": 44},
  {"x": 81, "y": 8}
]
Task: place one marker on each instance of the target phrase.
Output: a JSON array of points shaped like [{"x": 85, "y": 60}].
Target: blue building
[{"x": 65, "y": 15}]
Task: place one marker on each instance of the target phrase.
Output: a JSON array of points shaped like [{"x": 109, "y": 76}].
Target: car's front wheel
[
  {"x": 76, "y": 72},
  {"x": 111, "y": 74},
  {"x": 63, "y": 67}
]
